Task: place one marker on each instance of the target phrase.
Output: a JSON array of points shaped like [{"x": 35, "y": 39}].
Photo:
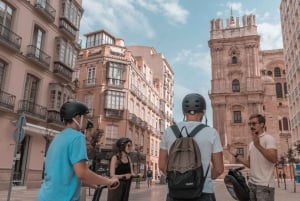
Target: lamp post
[{"x": 138, "y": 149}]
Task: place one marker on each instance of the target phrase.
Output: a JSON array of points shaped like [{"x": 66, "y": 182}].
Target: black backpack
[
  {"x": 185, "y": 175},
  {"x": 236, "y": 185}
]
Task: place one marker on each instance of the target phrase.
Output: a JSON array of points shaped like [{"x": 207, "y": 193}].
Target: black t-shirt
[{"x": 149, "y": 173}]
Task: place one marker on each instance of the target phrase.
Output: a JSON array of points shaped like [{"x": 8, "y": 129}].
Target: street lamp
[{"x": 138, "y": 149}]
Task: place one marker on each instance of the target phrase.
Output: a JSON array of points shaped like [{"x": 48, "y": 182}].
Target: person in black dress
[{"x": 121, "y": 168}]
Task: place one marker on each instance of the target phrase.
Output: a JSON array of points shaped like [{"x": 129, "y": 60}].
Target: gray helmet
[
  {"x": 193, "y": 103},
  {"x": 72, "y": 108}
]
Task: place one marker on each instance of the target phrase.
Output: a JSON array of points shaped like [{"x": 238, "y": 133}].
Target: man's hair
[{"x": 260, "y": 118}]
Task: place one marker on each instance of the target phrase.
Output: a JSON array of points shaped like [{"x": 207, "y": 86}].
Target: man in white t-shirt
[
  {"x": 208, "y": 140},
  {"x": 261, "y": 160}
]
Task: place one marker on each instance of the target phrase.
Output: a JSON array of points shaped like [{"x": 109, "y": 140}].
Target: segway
[
  {"x": 98, "y": 192},
  {"x": 236, "y": 184}
]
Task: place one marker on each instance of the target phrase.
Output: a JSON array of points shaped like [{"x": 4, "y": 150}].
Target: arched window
[
  {"x": 278, "y": 90},
  {"x": 277, "y": 72},
  {"x": 285, "y": 124},
  {"x": 234, "y": 60},
  {"x": 235, "y": 86}
]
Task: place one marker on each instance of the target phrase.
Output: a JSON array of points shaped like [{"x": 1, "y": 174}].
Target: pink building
[
  {"x": 38, "y": 50},
  {"x": 130, "y": 93}
]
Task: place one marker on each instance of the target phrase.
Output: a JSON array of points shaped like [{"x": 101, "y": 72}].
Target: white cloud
[
  {"x": 271, "y": 36},
  {"x": 115, "y": 16},
  {"x": 175, "y": 13},
  {"x": 196, "y": 59}
]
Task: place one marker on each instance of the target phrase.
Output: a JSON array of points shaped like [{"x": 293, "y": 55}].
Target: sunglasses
[{"x": 252, "y": 123}]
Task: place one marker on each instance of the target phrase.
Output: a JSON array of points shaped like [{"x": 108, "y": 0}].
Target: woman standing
[{"x": 121, "y": 168}]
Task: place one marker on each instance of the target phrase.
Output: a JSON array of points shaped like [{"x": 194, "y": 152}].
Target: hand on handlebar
[{"x": 114, "y": 183}]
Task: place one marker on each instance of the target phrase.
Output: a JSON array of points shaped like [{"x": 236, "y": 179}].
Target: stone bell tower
[{"x": 237, "y": 86}]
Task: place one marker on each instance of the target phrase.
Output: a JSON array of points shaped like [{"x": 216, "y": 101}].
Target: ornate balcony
[
  {"x": 7, "y": 100},
  {"x": 53, "y": 116},
  {"x": 45, "y": 9},
  {"x": 38, "y": 56},
  {"x": 66, "y": 27},
  {"x": 9, "y": 38},
  {"x": 62, "y": 71},
  {"x": 32, "y": 109}
]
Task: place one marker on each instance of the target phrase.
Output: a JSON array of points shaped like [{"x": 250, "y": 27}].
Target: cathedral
[{"x": 246, "y": 80}]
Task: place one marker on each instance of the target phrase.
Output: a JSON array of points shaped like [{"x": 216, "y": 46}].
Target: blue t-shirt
[{"x": 60, "y": 181}]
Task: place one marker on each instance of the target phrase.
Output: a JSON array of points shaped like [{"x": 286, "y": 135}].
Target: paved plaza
[{"x": 158, "y": 193}]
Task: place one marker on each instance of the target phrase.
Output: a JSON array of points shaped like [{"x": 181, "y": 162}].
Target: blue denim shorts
[{"x": 261, "y": 193}]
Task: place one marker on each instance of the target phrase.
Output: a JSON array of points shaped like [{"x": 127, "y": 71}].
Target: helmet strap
[{"x": 76, "y": 122}]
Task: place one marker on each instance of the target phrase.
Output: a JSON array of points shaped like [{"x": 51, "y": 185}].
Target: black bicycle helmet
[
  {"x": 193, "y": 103},
  {"x": 72, "y": 108},
  {"x": 122, "y": 142}
]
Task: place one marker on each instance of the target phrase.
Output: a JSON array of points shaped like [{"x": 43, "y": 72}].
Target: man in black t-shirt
[{"x": 149, "y": 177}]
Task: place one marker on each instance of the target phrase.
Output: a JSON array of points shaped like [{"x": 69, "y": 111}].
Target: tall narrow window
[
  {"x": 31, "y": 87},
  {"x": 112, "y": 134},
  {"x": 285, "y": 89},
  {"x": 89, "y": 101},
  {"x": 6, "y": 14},
  {"x": 235, "y": 86},
  {"x": 279, "y": 90},
  {"x": 277, "y": 72},
  {"x": 38, "y": 38},
  {"x": 234, "y": 60},
  {"x": 91, "y": 74},
  {"x": 237, "y": 117},
  {"x": 280, "y": 126},
  {"x": 285, "y": 124},
  {"x": 2, "y": 73},
  {"x": 114, "y": 74},
  {"x": 114, "y": 100}
]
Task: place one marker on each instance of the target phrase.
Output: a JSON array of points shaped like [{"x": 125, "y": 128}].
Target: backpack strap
[
  {"x": 197, "y": 129},
  {"x": 176, "y": 131}
]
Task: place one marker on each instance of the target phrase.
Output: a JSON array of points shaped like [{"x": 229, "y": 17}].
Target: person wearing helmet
[
  {"x": 208, "y": 140},
  {"x": 121, "y": 167},
  {"x": 66, "y": 166}
]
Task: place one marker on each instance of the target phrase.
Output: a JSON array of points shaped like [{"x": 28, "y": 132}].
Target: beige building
[
  {"x": 130, "y": 93},
  {"x": 38, "y": 50},
  {"x": 246, "y": 80},
  {"x": 290, "y": 25}
]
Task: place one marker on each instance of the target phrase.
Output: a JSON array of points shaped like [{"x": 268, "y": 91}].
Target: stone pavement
[{"x": 158, "y": 193}]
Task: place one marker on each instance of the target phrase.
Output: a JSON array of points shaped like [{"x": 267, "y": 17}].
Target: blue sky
[{"x": 180, "y": 30}]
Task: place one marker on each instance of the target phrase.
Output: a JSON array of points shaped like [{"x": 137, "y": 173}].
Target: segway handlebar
[{"x": 98, "y": 191}]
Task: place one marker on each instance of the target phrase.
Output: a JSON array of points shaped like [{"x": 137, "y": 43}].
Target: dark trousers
[
  {"x": 204, "y": 197},
  {"x": 121, "y": 193}
]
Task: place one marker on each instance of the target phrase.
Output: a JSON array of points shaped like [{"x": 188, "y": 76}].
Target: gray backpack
[{"x": 185, "y": 175}]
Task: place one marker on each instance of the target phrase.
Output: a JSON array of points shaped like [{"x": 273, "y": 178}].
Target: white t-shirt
[
  {"x": 208, "y": 140},
  {"x": 261, "y": 170}
]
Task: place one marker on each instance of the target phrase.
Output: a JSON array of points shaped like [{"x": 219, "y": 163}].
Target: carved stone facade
[{"x": 246, "y": 80}]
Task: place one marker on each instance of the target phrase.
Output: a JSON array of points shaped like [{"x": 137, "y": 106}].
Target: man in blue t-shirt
[{"x": 66, "y": 166}]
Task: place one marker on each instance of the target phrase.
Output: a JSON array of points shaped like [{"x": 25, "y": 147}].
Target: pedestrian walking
[
  {"x": 261, "y": 160},
  {"x": 66, "y": 166},
  {"x": 208, "y": 141},
  {"x": 149, "y": 174},
  {"x": 121, "y": 168},
  {"x": 280, "y": 176}
]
